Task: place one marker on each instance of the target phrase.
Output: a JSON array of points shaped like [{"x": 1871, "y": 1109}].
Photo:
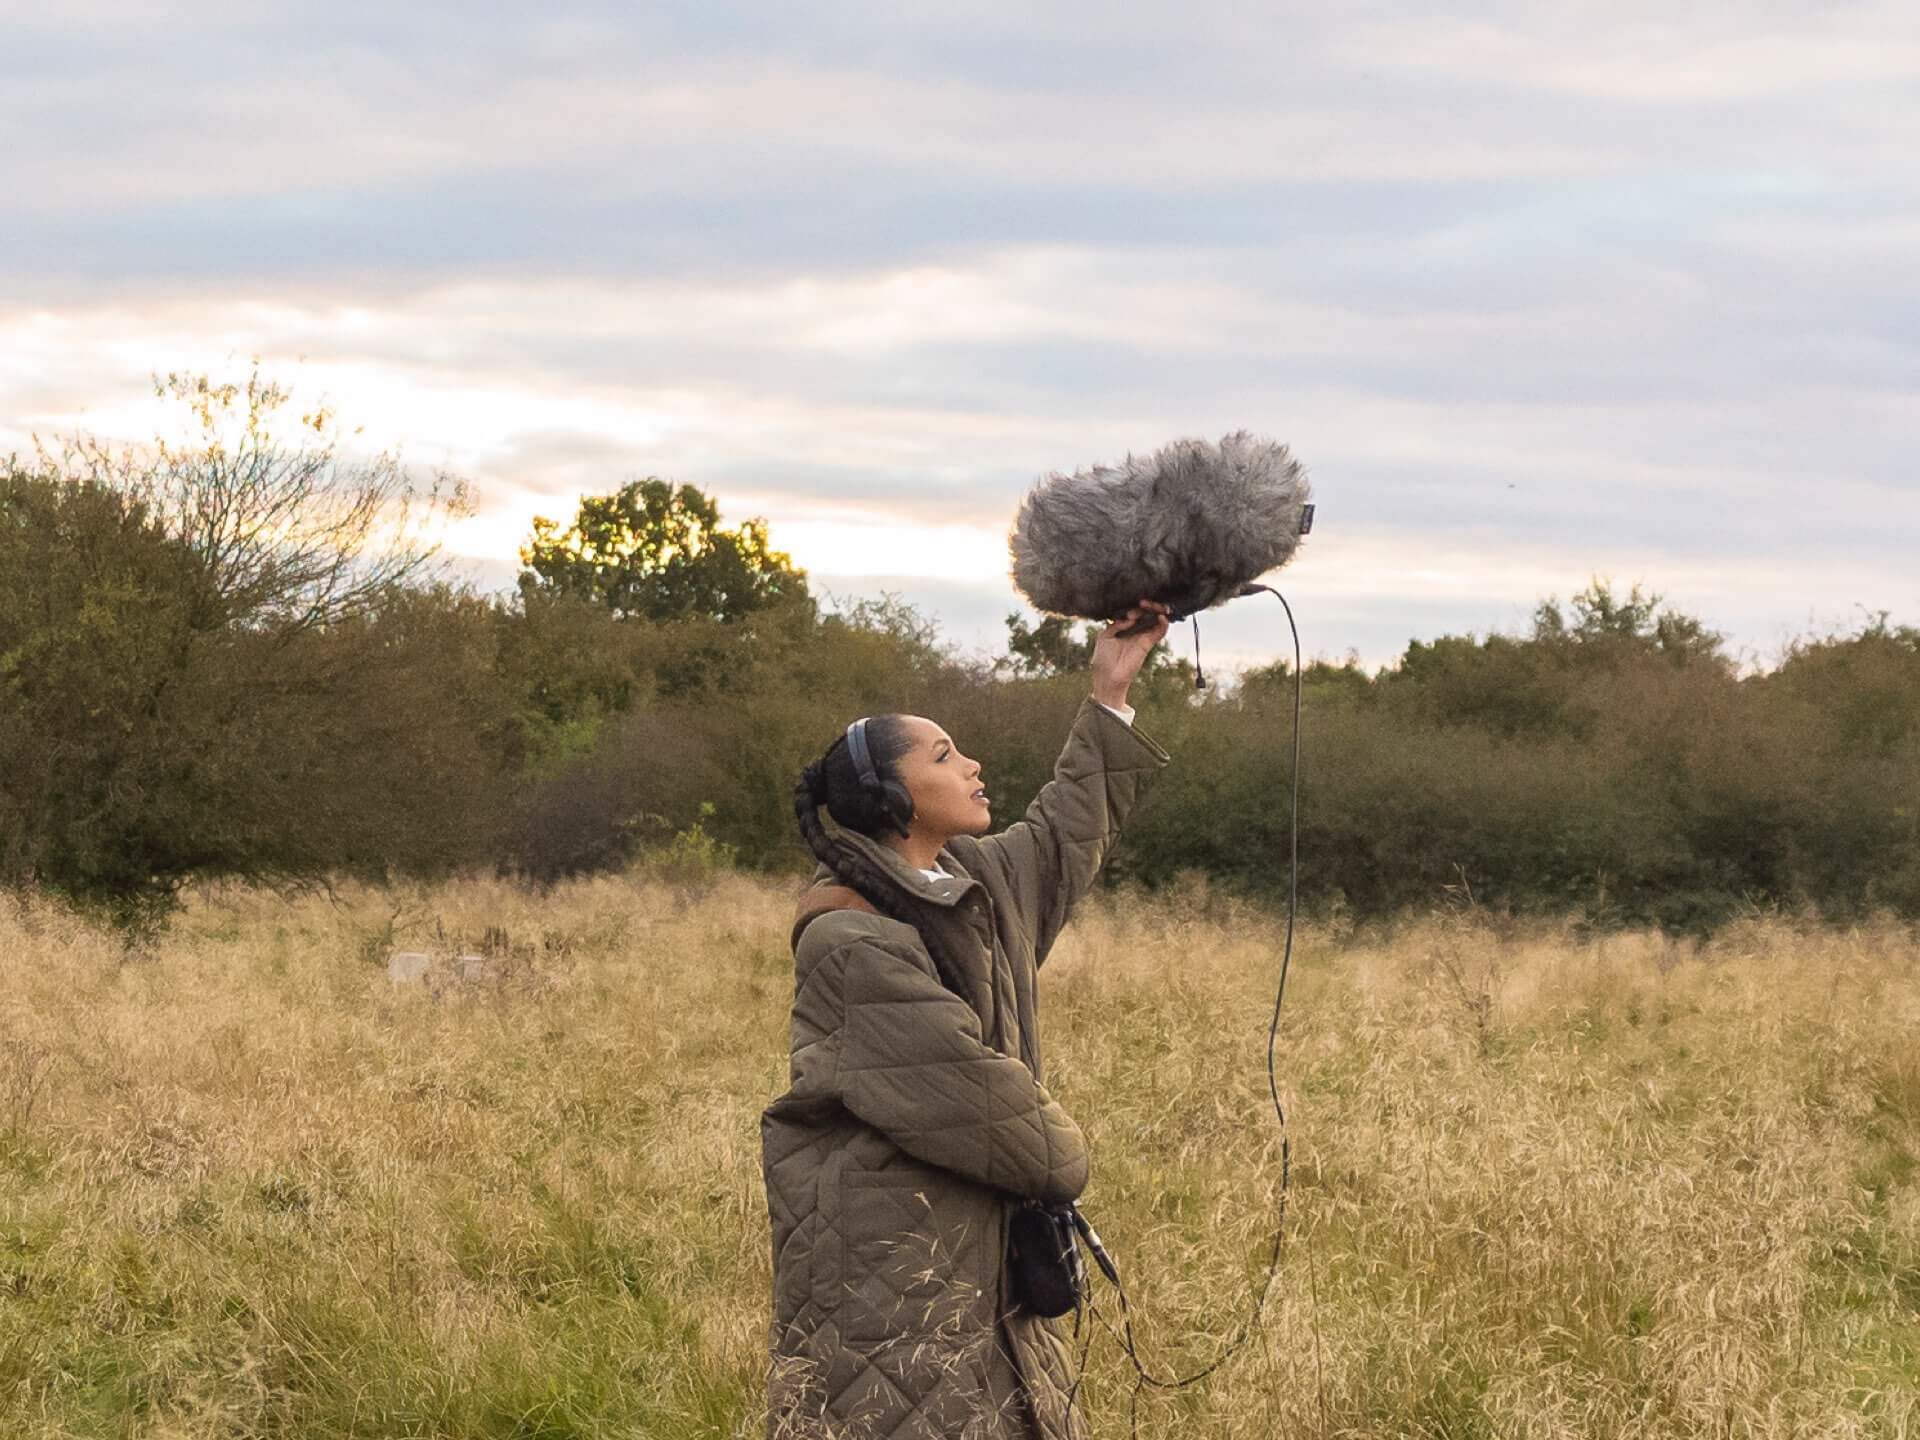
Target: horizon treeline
[{"x": 228, "y": 661}]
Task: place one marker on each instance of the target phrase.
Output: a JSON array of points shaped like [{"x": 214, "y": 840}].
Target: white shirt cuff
[{"x": 1125, "y": 712}]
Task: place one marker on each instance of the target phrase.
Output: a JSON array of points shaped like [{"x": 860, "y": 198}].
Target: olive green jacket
[{"x": 917, "y": 1119}]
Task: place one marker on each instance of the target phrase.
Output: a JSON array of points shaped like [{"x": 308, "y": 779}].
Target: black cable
[
  {"x": 1085, "y": 1350},
  {"x": 1273, "y": 1087}
]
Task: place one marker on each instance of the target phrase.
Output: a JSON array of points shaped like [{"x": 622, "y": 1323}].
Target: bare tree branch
[{"x": 294, "y": 533}]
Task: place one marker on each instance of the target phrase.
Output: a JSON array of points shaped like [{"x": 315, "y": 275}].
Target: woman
[{"x": 917, "y": 1121}]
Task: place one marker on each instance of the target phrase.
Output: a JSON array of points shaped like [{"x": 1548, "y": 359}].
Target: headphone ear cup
[{"x": 899, "y": 803}]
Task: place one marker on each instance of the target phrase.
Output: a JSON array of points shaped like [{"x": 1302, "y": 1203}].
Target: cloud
[
  {"x": 1547, "y": 294},
  {"x": 1699, "y": 56}
]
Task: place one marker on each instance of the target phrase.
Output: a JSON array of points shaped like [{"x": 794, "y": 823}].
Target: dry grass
[{"x": 1542, "y": 1187}]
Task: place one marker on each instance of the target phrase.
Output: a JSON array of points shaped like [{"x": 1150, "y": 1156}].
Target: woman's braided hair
[{"x": 834, "y": 781}]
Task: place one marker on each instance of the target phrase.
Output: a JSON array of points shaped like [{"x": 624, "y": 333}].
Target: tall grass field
[{"x": 1545, "y": 1184}]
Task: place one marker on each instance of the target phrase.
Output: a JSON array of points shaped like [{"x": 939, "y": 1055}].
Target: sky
[{"x": 1537, "y": 293}]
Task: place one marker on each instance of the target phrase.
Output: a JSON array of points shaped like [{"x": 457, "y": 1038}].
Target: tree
[
  {"x": 92, "y": 590},
  {"x": 216, "y": 659},
  {"x": 1321, "y": 679},
  {"x": 894, "y": 636},
  {"x": 290, "y": 532},
  {"x": 1865, "y": 687},
  {"x": 1048, "y": 648},
  {"x": 1051, "y": 647},
  {"x": 1609, "y": 626},
  {"x": 656, "y": 551},
  {"x": 1557, "y": 677}
]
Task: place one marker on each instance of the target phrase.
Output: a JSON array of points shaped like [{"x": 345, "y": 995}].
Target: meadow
[{"x": 1546, "y": 1183}]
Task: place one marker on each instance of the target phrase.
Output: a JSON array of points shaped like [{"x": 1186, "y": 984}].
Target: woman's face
[{"x": 948, "y": 797}]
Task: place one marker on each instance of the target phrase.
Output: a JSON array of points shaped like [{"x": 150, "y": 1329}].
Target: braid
[{"x": 830, "y": 781}]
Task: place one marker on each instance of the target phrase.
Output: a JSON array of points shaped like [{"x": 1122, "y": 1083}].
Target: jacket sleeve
[
  {"x": 913, "y": 1064},
  {"x": 1048, "y": 859}
]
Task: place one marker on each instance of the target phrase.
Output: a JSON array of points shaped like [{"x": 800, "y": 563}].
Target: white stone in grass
[
  {"x": 406, "y": 966},
  {"x": 472, "y": 969}
]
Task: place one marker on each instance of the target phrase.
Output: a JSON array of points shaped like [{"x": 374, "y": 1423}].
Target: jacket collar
[{"x": 903, "y": 872}]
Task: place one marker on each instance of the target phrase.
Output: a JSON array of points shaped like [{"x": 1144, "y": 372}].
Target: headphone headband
[{"x": 862, "y": 758}]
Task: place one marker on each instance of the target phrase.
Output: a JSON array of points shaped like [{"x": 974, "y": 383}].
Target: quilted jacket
[{"x": 917, "y": 1119}]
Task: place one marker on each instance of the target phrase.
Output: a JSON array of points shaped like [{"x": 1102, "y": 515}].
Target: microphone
[{"x": 1189, "y": 526}]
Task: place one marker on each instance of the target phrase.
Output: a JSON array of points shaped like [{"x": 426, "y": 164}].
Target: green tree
[
  {"x": 1272, "y": 683},
  {"x": 1865, "y": 686},
  {"x": 1052, "y": 647},
  {"x": 216, "y": 658},
  {"x": 95, "y": 609},
  {"x": 1559, "y": 676},
  {"x": 657, "y": 551},
  {"x": 1604, "y": 624},
  {"x": 903, "y": 643}
]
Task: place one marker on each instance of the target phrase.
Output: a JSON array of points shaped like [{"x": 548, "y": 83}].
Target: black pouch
[{"x": 1044, "y": 1255}]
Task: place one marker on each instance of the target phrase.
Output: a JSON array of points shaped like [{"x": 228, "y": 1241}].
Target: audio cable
[{"x": 1086, "y": 1230}]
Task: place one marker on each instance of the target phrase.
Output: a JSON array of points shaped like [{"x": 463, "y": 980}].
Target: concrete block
[
  {"x": 406, "y": 966},
  {"x": 472, "y": 969}
]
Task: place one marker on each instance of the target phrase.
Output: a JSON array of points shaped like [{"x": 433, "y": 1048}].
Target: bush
[
  {"x": 184, "y": 695},
  {"x": 149, "y": 737}
]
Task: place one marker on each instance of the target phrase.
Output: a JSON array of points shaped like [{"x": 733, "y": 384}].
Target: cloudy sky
[{"x": 1536, "y": 292}]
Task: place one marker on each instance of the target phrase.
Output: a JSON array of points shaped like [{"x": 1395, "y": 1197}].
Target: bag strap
[{"x": 818, "y": 900}]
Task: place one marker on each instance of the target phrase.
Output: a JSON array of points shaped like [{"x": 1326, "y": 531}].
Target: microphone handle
[
  {"x": 1144, "y": 624},
  {"x": 1174, "y": 617}
]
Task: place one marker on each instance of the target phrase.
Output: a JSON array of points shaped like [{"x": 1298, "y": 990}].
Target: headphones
[{"x": 891, "y": 795}]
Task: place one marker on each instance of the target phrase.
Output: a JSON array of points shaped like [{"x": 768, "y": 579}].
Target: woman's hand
[{"x": 1117, "y": 661}]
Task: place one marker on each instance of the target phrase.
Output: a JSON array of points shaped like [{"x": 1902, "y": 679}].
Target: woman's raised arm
[{"x": 1048, "y": 859}]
